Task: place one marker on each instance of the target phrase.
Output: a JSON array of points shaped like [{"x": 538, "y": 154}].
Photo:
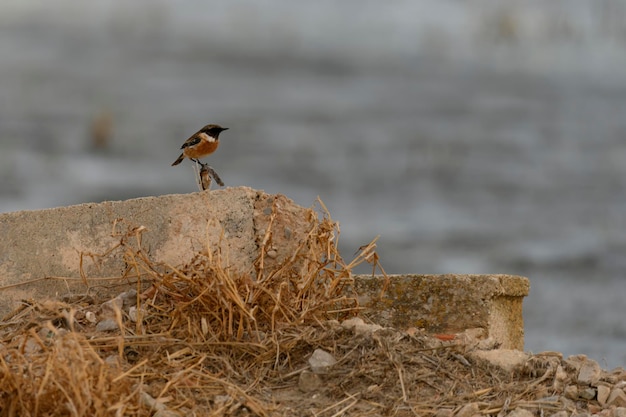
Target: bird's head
[{"x": 213, "y": 130}]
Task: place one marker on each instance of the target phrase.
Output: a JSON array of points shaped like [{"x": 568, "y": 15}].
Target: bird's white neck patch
[{"x": 206, "y": 137}]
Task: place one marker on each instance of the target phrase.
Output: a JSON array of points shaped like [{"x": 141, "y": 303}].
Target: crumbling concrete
[
  {"x": 449, "y": 304},
  {"x": 49, "y": 253}
]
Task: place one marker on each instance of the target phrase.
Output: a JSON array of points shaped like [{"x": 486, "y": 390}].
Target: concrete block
[
  {"x": 449, "y": 304},
  {"x": 46, "y": 253}
]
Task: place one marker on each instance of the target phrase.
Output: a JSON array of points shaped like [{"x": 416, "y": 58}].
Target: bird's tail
[{"x": 179, "y": 160}]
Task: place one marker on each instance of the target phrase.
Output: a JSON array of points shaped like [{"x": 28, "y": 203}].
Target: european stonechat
[{"x": 202, "y": 143}]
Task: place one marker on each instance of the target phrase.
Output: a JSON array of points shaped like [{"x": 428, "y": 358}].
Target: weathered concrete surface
[
  {"x": 449, "y": 304},
  {"x": 59, "y": 242},
  {"x": 49, "y": 253}
]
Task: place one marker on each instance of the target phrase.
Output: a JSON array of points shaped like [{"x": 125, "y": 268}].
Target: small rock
[
  {"x": 520, "y": 412},
  {"x": 106, "y": 325},
  {"x": 571, "y": 392},
  {"x": 603, "y": 394},
  {"x": 359, "y": 327},
  {"x": 111, "y": 306},
  {"x": 616, "y": 398},
  {"x": 351, "y": 323},
  {"x": 91, "y": 317},
  {"x": 587, "y": 393},
  {"x": 366, "y": 329},
  {"x": 589, "y": 373},
  {"x": 619, "y": 412},
  {"x": 134, "y": 312},
  {"x": 321, "y": 361},
  {"x": 468, "y": 410},
  {"x": 272, "y": 253},
  {"x": 508, "y": 360},
  {"x": 309, "y": 382},
  {"x": 595, "y": 409},
  {"x": 560, "y": 379},
  {"x": 129, "y": 298}
]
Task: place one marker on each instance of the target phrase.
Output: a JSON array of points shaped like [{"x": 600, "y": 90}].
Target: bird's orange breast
[{"x": 203, "y": 148}]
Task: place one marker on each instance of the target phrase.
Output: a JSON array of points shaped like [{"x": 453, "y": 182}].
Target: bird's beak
[{"x": 225, "y": 128}]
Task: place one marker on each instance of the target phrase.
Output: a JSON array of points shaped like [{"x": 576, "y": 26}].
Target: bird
[{"x": 202, "y": 143}]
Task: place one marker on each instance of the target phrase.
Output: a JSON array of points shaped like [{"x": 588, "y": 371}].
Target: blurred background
[{"x": 474, "y": 137}]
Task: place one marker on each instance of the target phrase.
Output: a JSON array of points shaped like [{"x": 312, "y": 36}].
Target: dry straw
[{"x": 197, "y": 330}]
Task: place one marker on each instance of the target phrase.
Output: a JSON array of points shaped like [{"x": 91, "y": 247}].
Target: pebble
[
  {"x": 603, "y": 394},
  {"x": 106, "y": 325},
  {"x": 617, "y": 398},
  {"x": 129, "y": 298},
  {"x": 587, "y": 393},
  {"x": 349, "y": 324},
  {"x": 321, "y": 361},
  {"x": 560, "y": 378},
  {"x": 571, "y": 392},
  {"x": 133, "y": 313},
  {"x": 359, "y": 327},
  {"x": 309, "y": 381},
  {"x": 111, "y": 306},
  {"x": 589, "y": 373},
  {"x": 91, "y": 317}
]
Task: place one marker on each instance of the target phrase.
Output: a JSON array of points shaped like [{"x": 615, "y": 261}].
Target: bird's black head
[{"x": 213, "y": 130}]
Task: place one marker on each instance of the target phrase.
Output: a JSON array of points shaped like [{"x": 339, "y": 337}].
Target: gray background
[{"x": 474, "y": 137}]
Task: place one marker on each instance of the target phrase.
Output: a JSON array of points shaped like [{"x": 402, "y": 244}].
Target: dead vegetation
[{"x": 199, "y": 339}]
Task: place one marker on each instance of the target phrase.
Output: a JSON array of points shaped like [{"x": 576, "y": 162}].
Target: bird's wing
[{"x": 194, "y": 140}]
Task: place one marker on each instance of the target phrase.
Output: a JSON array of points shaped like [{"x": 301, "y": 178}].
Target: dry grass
[{"x": 199, "y": 330}]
